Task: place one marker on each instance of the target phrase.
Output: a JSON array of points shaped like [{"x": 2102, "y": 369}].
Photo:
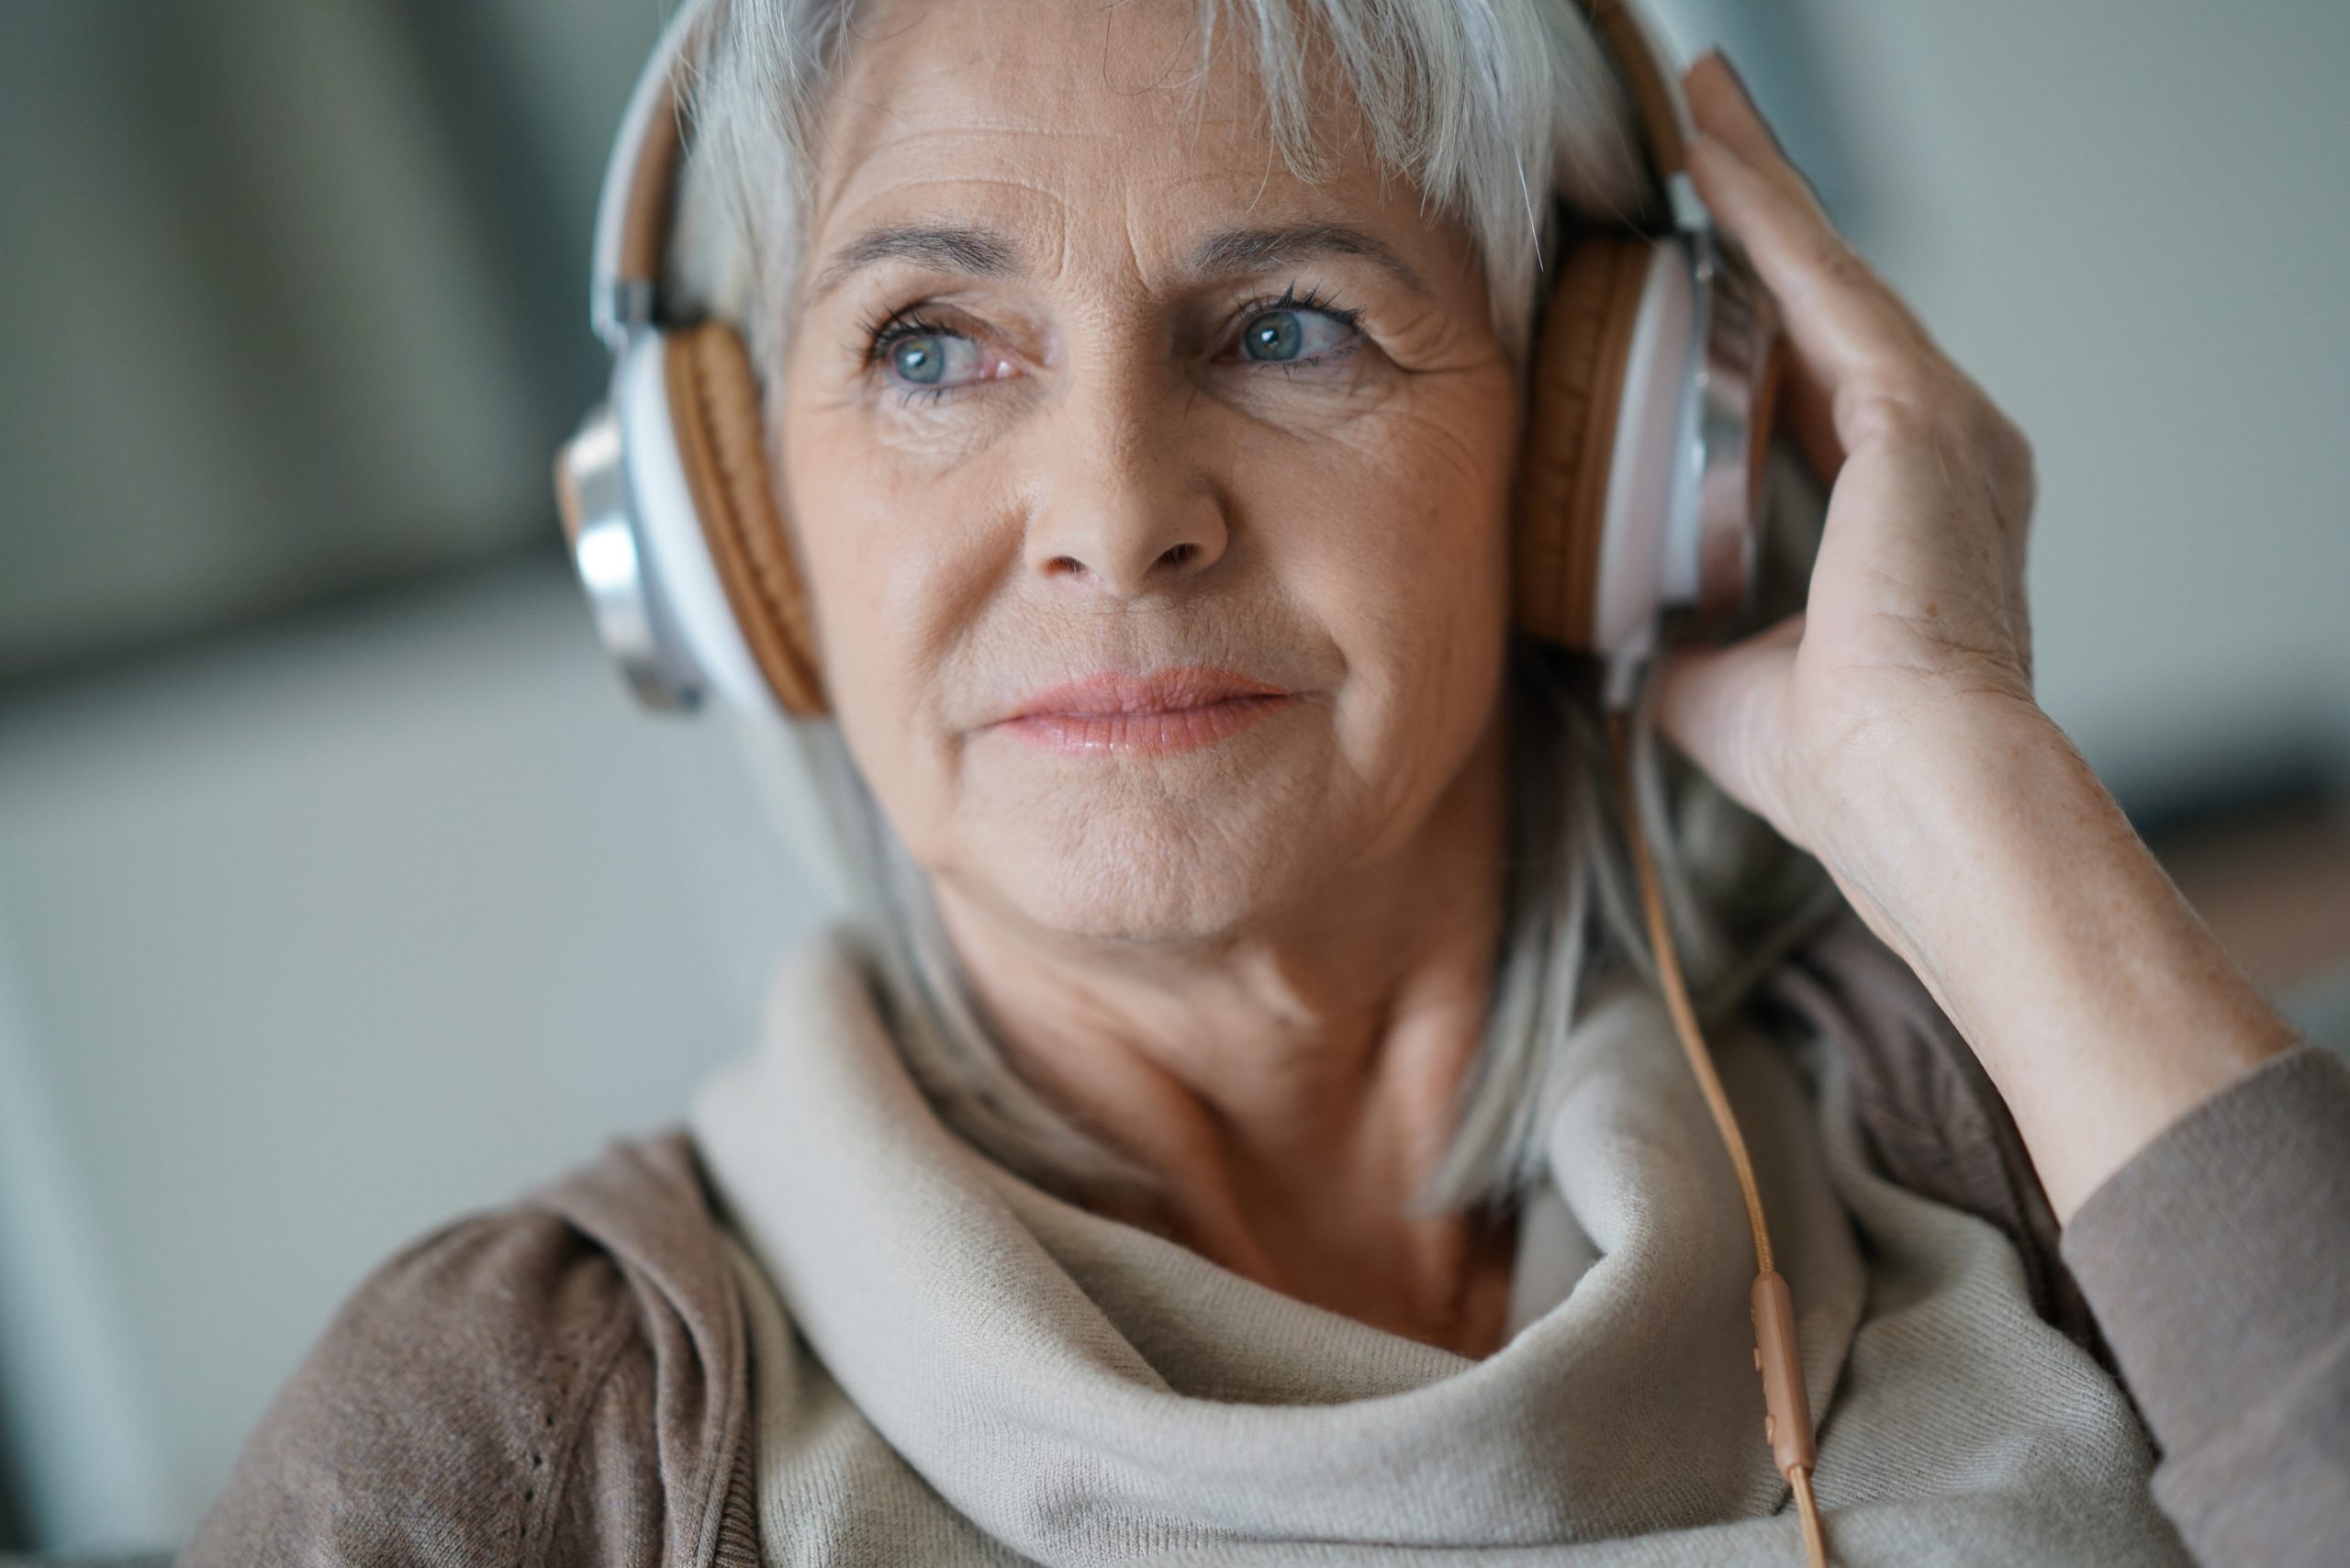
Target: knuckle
[
  {"x": 2009, "y": 455},
  {"x": 1845, "y": 268},
  {"x": 1903, "y": 402},
  {"x": 1924, "y": 401}
]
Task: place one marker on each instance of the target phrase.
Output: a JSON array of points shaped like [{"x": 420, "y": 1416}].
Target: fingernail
[{"x": 1731, "y": 66}]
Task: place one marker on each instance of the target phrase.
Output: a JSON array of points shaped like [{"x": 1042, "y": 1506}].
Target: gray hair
[{"x": 1480, "y": 103}]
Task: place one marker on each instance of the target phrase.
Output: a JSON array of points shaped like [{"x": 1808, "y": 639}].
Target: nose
[{"x": 1125, "y": 503}]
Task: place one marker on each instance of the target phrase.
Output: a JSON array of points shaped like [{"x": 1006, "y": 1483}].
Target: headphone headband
[{"x": 640, "y": 180}]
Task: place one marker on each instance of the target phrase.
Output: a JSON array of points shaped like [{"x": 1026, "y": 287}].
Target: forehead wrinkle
[
  {"x": 872, "y": 134},
  {"x": 935, "y": 238},
  {"x": 1172, "y": 131},
  {"x": 984, "y": 251},
  {"x": 871, "y": 117}
]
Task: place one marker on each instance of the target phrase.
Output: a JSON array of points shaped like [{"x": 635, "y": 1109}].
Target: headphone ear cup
[
  {"x": 1574, "y": 400},
  {"x": 714, "y": 413}
]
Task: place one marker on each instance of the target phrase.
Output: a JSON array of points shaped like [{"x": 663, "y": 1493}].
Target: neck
[{"x": 1293, "y": 1085}]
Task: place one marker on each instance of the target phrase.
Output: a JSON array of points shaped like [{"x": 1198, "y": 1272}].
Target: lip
[{"x": 1176, "y": 709}]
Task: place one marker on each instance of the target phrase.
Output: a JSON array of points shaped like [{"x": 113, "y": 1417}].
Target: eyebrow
[
  {"x": 1245, "y": 252},
  {"x": 965, "y": 248},
  {"x": 947, "y": 247}
]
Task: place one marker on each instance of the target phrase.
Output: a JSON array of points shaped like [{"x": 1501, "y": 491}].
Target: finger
[
  {"x": 1846, "y": 325},
  {"x": 1720, "y": 705},
  {"x": 1721, "y": 107}
]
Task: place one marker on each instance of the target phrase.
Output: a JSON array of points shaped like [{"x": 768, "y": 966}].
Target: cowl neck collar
[{"x": 1082, "y": 1390}]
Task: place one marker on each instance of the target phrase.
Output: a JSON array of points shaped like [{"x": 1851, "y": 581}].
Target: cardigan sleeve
[{"x": 2218, "y": 1261}]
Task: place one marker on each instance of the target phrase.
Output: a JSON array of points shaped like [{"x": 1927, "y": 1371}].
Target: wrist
[
  {"x": 1917, "y": 803},
  {"x": 1990, "y": 858}
]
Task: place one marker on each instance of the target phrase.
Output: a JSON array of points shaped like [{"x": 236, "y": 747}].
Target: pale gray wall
[
  {"x": 309, "y": 943},
  {"x": 293, "y": 298}
]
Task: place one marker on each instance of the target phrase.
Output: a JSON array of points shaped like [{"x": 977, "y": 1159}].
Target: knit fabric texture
[{"x": 953, "y": 1365}]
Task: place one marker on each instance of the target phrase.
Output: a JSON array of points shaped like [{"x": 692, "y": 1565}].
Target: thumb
[{"x": 1722, "y": 706}]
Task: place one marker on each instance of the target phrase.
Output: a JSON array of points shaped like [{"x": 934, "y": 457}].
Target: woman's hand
[
  {"x": 1890, "y": 728},
  {"x": 1916, "y": 631}
]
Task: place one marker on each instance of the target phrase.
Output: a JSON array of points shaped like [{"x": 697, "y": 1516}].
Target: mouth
[{"x": 1179, "y": 709}]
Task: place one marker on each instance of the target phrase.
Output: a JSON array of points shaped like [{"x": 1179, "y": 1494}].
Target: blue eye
[
  {"x": 1288, "y": 336},
  {"x": 929, "y": 359}
]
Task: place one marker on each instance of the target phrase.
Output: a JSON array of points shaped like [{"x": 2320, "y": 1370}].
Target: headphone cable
[{"x": 1786, "y": 1426}]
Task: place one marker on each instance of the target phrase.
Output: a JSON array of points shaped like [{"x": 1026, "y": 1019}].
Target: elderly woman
[{"x": 1243, "y": 1122}]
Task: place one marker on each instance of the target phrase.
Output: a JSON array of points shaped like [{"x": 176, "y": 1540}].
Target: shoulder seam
[{"x": 562, "y": 1452}]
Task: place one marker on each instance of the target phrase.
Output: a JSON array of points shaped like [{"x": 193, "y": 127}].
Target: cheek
[
  {"x": 897, "y": 577},
  {"x": 1396, "y": 537},
  {"x": 1382, "y": 539}
]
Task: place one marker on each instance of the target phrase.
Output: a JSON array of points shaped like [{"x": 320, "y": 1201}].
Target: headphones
[{"x": 1651, "y": 397}]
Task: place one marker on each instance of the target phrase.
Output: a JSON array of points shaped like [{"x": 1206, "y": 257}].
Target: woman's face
[{"x": 1083, "y": 382}]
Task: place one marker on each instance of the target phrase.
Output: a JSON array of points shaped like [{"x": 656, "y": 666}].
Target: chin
[
  {"x": 1148, "y": 875},
  {"x": 1192, "y": 848}
]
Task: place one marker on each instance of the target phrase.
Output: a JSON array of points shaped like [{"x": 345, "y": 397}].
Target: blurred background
[{"x": 342, "y": 890}]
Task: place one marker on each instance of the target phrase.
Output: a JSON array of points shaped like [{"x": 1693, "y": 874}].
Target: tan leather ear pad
[
  {"x": 1575, "y": 388},
  {"x": 714, "y": 411}
]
